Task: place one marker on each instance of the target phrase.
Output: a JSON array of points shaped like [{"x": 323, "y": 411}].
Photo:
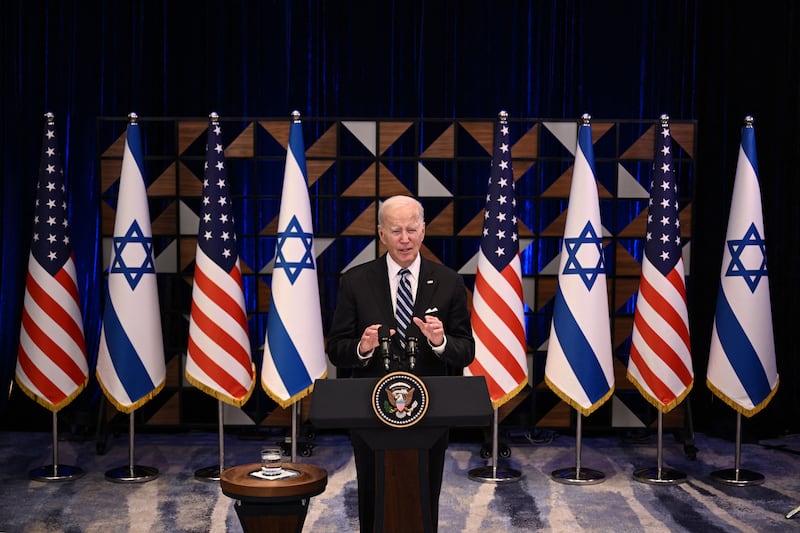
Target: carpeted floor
[{"x": 177, "y": 502}]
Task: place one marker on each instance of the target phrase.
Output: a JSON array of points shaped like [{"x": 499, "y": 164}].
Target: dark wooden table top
[{"x": 237, "y": 483}]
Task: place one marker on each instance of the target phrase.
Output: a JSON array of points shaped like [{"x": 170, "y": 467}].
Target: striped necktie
[{"x": 405, "y": 305}]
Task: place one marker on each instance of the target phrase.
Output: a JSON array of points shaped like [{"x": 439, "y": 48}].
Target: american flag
[
  {"x": 498, "y": 315},
  {"x": 218, "y": 356},
  {"x": 52, "y": 367},
  {"x": 579, "y": 367},
  {"x": 294, "y": 349},
  {"x": 741, "y": 363},
  {"x": 660, "y": 363}
]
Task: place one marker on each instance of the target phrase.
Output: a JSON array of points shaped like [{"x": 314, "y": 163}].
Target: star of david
[
  {"x": 736, "y": 267},
  {"x": 294, "y": 251},
  {"x": 135, "y": 238},
  {"x": 588, "y": 273}
]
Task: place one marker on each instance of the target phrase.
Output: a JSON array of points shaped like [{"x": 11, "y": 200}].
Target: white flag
[
  {"x": 130, "y": 363},
  {"x": 294, "y": 350},
  {"x": 579, "y": 366},
  {"x": 741, "y": 361}
]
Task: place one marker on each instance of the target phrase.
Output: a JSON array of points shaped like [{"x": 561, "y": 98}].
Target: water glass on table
[{"x": 271, "y": 460}]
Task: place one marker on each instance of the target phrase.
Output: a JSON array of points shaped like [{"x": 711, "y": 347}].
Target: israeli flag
[
  {"x": 579, "y": 367},
  {"x": 130, "y": 363},
  {"x": 741, "y": 362},
  {"x": 294, "y": 350}
]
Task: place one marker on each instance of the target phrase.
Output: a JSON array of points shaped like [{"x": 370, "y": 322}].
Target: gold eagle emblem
[{"x": 400, "y": 399}]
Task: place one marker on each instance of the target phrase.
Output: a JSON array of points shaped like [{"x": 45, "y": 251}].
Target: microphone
[
  {"x": 412, "y": 337},
  {"x": 384, "y": 338}
]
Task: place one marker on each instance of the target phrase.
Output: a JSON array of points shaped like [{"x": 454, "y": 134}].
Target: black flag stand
[
  {"x": 55, "y": 471},
  {"x": 211, "y": 473},
  {"x": 131, "y": 473}
]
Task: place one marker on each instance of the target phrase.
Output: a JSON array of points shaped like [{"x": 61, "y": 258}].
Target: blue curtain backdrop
[{"x": 409, "y": 58}]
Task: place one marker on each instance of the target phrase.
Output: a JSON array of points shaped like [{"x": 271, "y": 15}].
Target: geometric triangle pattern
[
  {"x": 365, "y": 131},
  {"x": 428, "y": 186},
  {"x": 627, "y": 186},
  {"x": 353, "y": 164}
]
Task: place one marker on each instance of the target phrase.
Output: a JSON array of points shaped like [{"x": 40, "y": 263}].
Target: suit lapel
[
  {"x": 426, "y": 287},
  {"x": 383, "y": 295}
]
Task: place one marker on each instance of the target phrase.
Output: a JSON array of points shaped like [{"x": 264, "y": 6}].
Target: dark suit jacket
[{"x": 365, "y": 299}]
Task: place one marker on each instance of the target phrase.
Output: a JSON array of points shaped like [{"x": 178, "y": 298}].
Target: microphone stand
[
  {"x": 413, "y": 334},
  {"x": 411, "y": 351},
  {"x": 384, "y": 338}
]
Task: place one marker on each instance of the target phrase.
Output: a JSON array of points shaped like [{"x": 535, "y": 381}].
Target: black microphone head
[
  {"x": 383, "y": 332},
  {"x": 412, "y": 331}
]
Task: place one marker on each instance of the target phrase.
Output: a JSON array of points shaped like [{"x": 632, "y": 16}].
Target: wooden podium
[{"x": 401, "y": 495}]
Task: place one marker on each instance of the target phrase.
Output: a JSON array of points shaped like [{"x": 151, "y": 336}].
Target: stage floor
[{"x": 175, "y": 501}]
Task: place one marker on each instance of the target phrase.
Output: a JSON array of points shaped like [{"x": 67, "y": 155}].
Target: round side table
[{"x": 273, "y": 506}]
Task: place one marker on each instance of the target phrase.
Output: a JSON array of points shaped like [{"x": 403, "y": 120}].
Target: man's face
[{"x": 402, "y": 232}]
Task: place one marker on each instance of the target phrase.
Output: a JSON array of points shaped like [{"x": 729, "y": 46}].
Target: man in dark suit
[{"x": 366, "y": 301}]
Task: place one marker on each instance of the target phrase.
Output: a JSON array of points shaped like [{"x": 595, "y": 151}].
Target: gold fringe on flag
[
  {"x": 738, "y": 408},
  {"x": 236, "y": 402},
  {"x": 584, "y": 411}
]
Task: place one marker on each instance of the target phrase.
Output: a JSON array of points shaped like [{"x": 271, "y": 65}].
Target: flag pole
[
  {"x": 661, "y": 306},
  {"x": 575, "y": 293},
  {"x": 294, "y": 280},
  {"x": 131, "y": 473},
  {"x": 52, "y": 309},
  {"x": 55, "y": 471},
  {"x": 295, "y": 409},
  {"x": 498, "y": 297},
  {"x": 493, "y": 473},
  {"x": 660, "y": 475},
  {"x": 736, "y": 476},
  {"x": 578, "y": 475},
  {"x": 135, "y": 338},
  {"x": 217, "y": 280},
  {"x": 212, "y": 473},
  {"x": 750, "y": 351},
  {"x": 220, "y": 438}
]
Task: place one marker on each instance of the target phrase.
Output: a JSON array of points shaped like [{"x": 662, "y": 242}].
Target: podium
[{"x": 402, "y": 491}]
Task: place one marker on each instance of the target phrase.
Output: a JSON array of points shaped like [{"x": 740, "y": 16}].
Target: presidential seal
[{"x": 400, "y": 399}]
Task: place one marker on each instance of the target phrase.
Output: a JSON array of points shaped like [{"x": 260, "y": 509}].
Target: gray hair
[{"x": 398, "y": 200}]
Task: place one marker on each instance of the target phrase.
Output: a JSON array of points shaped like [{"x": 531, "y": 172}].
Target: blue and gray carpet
[{"x": 177, "y": 502}]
